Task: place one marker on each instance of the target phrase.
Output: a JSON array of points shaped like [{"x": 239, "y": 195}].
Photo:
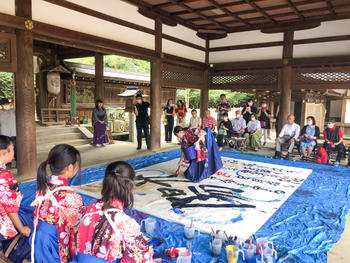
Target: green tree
[
  {"x": 118, "y": 62},
  {"x": 234, "y": 98},
  {"x": 6, "y": 85}
]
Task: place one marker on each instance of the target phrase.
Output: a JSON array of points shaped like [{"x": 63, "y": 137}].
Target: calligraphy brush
[
  {"x": 191, "y": 223},
  {"x": 257, "y": 244},
  {"x": 189, "y": 249},
  {"x": 250, "y": 242}
]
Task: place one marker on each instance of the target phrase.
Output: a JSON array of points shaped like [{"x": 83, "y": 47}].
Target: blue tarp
[{"x": 302, "y": 229}]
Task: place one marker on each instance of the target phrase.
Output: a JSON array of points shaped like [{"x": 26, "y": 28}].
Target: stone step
[
  {"x": 57, "y": 137},
  {"x": 42, "y": 155},
  {"x": 48, "y": 146},
  {"x": 55, "y": 130}
]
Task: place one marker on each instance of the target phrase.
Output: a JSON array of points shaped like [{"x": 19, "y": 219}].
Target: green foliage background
[
  {"x": 118, "y": 62},
  {"x": 234, "y": 98},
  {"x": 6, "y": 85}
]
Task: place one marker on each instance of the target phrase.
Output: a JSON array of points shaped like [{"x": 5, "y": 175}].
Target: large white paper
[{"x": 238, "y": 199}]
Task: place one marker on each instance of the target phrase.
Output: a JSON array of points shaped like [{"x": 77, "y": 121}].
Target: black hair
[
  {"x": 194, "y": 110},
  {"x": 223, "y": 95},
  {"x": 251, "y": 100},
  {"x": 225, "y": 114},
  {"x": 96, "y": 104},
  {"x": 182, "y": 104},
  {"x": 138, "y": 95},
  {"x": 4, "y": 101},
  {"x": 177, "y": 129},
  {"x": 313, "y": 119},
  {"x": 5, "y": 142},
  {"x": 168, "y": 102},
  {"x": 118, "y": 183},
  {"x": 255, "y": 115},
  {"x": 331, "y": 120},
  {"x": 60, "y": 156}
]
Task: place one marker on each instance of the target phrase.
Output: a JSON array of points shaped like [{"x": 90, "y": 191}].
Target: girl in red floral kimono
[
  {"x": 10, "y": 197},
  {"x": 201, "y": 146},
  {"x": 106, "y": 233},
  {"x": 58, "y": 207}
]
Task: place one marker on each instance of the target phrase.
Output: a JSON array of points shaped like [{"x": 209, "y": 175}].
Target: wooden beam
[
  {"x": 280, "y": 43},
  {"x": 280, "y": 28},
  {"x": 260, "y": 10},
  {"x": 143, "y": 4},
  {"x": 225, "y": 10},
  {"x": 330, "y": 7},
  {"x": 118, "y": 21},
  {"x": 318, "y": 86},
  {"x": 203, "y": 16},
  {"x": 291, "y": 4},
  {"x": 247, "y": 46},
  {"x": 69, "y": 35},
  {"x": 290, "y": 25},
  {"x": 25, "y": 104}
]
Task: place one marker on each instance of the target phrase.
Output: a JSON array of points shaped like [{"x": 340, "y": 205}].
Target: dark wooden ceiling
[{"x": 243, "y": 15}]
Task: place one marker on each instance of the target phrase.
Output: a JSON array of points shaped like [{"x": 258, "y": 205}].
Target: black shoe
[
  {"x": 138, "y": 148},
  {"x": 264, "y": 143},
  {"x": 348, "y": 166},
  {"x": 287, "y": 156}
]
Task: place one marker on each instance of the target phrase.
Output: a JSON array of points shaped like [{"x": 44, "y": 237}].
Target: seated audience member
[
  {"x": 209, "y": 121},
  {"x": 308, "y": 137},
  {"x": 333, "y": 141},
  {"x": 238, "y": 125},
  {"x": 106, "y": 233},
  {"x": 248, "y": 110},
  {"x": 225, "y": 131},
  {"x": 253, "y": 136},
  {"x": 58, "y": 208},
  {"x": 13, "y": 218},
  {"x": 195, "y": 121},
  {"x": 289, "y": 134}
]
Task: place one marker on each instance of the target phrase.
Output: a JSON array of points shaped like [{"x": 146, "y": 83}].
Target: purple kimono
[{"x": 100, "y": 130}]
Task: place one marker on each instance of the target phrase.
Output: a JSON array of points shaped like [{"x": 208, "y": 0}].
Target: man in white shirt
[
  {"x": 8, "y": 121},
  {"x": 195, "y": 121},
  {"x": 289, "y": 134}
]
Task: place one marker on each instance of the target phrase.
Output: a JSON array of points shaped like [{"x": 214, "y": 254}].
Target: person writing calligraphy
[{"x": 200, "y": 150}]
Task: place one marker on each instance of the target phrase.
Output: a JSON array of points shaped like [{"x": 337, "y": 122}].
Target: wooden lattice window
[
  {"x": 245, "y": 78},
  {"x": 182, "y": 77},
  {"x": 323, "y": 77},
  {"x": 8, "y": 57}
]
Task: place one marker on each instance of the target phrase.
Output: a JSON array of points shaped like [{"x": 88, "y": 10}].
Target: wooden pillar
[
  {"x": 204, "y": 100},
  {"x": 287, "y": 78},
  {"x": 156, "y": 82},
  {"x": 25, "y": 105},
  {"x": 99, "y": 83}
]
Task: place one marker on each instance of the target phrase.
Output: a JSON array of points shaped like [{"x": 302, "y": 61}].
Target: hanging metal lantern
[{"x": 53, "y": 83}]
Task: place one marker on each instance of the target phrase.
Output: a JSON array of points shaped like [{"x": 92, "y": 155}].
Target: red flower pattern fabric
[
  {"x": 65, "y": 216},
  {"x": 122, "y": 240},
  {"x": 10, "y": 200},
  {"x": 191, "y": 136}
]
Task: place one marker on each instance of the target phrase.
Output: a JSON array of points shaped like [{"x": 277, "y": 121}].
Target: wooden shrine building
[{"x": 281, "y": 49}]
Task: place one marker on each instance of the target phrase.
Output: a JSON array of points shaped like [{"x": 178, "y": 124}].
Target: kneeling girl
[
  {"x": 106, "y": 233},
  {"x": 58, "y": 207}
]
